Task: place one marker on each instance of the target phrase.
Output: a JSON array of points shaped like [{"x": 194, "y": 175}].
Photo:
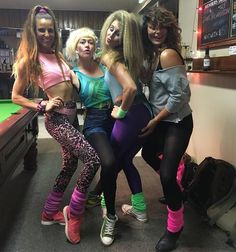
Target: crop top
[{"x": 51, "y": 71}]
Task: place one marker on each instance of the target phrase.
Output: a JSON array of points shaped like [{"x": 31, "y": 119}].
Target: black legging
[
  {"x": 101, "y": 143},
  {"x": 171, "y": 140}
]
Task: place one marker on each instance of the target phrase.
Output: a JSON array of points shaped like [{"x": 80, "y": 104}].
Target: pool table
[{"x": 18, "y": 138}]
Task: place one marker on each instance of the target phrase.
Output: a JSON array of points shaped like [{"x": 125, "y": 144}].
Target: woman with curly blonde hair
[
  {"x": 122, "y": 54},
  {"x": 40, "y": 64},
  {"x": 96, "y": 98}
]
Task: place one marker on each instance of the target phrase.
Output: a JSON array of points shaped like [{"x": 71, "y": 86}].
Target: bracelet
[
  {"x": 41, "y": 108},
  {"x": 121, "y": 113}
]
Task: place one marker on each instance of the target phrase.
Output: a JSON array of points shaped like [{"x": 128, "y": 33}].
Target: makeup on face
[
  {"x": 113, "y": 38},
  {"x": 156, "y": 33},
  {"x": 86, "y": 41},
  {"x": 45, "y": 34},
  {"x": 85, "y": 46}
]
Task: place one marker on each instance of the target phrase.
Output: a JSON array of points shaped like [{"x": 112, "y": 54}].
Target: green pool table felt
[{"x": 7, "y": 109}]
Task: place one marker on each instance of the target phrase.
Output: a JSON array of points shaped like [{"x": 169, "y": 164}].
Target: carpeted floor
[{"x": 23, "y": 195}]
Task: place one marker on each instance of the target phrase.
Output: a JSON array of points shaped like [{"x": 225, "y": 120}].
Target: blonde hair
[
  {"x": 131, "y": 50},
  {"x": 28, "y": 49},
  {"x": 74, "y": 38}
]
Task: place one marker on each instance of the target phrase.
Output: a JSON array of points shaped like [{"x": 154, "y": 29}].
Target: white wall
[
  {"x": 214, "y": 109},
  {"x": 213, "y": 100}
]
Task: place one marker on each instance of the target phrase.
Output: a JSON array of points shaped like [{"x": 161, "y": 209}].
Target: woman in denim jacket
[{"x": 170, "y": 130}]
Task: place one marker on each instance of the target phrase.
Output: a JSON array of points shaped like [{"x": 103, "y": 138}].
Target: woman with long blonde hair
[{"x": 122, "y": 54}]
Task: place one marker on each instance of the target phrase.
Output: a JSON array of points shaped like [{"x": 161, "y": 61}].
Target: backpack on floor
[
  {"x": 213, "y": 193},
  {"x": 213, "y": 180},
  {"x": 223, "y": 214}
]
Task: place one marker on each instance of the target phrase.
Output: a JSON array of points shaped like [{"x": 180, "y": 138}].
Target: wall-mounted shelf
[
  {"x": 218, "y": 64},
  {"x": 212, "y": 72}
]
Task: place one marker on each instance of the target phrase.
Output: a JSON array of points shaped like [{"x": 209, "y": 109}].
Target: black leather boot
[{"x": 168, "y": 241}]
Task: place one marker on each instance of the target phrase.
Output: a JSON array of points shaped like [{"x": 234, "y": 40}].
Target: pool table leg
[{"x": 30, "y": 159}]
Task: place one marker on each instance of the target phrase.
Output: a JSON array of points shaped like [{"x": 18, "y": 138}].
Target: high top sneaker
[
  {"x": 137, "y": 209},
  {"x": 107, "y": 234}
]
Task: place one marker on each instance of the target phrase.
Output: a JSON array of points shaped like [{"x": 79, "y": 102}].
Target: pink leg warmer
[
  {"x": 77, "y": 203},
  {"x": 175, "y": 220},
  {"x": 52, "y": 203}
]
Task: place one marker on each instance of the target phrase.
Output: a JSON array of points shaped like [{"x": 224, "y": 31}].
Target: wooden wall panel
[{"x": 66, "y": 19}]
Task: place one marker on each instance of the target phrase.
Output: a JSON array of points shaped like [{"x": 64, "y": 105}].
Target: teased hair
[
  {"x": 74, "y": 38},
  {"x": 161, "y": 16},
  {"x": 131, "y": 50},
  {"x": 28, "y": 48}
]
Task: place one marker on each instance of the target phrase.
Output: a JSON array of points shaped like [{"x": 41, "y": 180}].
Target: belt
[
  {"x": 69, "y": 104},
  {"x": 107, "y": 106},
  {"x": 66, "y": 111}
]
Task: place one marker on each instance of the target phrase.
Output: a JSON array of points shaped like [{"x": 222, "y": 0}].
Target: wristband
[
  {"x": 121, "y": 113},
  {"x": 41, "y": 108}
]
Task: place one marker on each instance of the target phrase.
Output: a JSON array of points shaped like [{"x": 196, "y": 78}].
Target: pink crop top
[{"x": 52, "y": 74}]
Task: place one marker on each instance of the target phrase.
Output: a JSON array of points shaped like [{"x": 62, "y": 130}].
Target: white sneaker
[
  {"x": 129, "y": 210},
  {"x": 107, "y": 234}
]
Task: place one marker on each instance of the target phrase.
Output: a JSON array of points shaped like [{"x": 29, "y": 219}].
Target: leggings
[
  {"x": 73, "y": 147},
  {"x": 171, "y": 140},
  {"x": 125, "y": 144},
  {"x": 101, "y": 143}
]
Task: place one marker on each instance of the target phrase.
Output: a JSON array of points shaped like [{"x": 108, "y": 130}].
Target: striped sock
[
  {"x": 53, "y": 202},
  {"x": 77, "y": 203}
]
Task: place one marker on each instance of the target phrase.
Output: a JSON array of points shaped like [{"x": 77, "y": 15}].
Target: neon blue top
[
  {"x": 116, "y": 90},
  {"x": 114, "y": 86},
  {"x": 94, "y": 92}
]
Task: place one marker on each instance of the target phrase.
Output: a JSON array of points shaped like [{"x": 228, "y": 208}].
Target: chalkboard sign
[
  {"x": 233, "y": 19},
  {"x": 217, "y": 23}
]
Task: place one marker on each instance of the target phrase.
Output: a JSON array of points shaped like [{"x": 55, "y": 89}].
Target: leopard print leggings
[{"x": 73, "y": 147}]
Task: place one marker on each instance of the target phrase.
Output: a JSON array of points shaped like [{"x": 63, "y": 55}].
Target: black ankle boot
[{"x": 168, "y": 241}]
